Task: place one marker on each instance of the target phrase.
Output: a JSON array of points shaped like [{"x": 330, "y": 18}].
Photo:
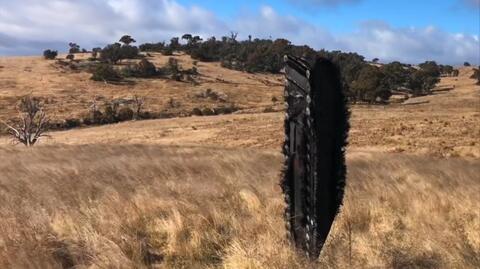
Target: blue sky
[
  {"x": 450, "y": 15},
  {"x": 410, "y": 31}
]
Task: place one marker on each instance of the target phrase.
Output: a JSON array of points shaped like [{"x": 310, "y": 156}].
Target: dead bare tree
[
  {"x": 32, "y": 124},
  {"x": 233, "y": 36},
  {"x": 139, "y": 102}
]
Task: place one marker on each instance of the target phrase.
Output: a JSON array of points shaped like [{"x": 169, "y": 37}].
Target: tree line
[{"x": 364, "y": 81}]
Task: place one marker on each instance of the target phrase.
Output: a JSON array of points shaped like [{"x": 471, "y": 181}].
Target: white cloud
[
  {"x": 412, "y": 44},
  {"x": 268, "y": 23},
  {"x": 93, "y": 23},
  {"x": 373, "y": 39},
  {"x": 29, "y": 26}
]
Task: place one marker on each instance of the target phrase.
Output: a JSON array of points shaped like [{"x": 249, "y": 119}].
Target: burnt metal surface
[{"x": 316, "y": 130}]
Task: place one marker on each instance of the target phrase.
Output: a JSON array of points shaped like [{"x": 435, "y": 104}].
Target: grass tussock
[{"x": 167, "y": 207}]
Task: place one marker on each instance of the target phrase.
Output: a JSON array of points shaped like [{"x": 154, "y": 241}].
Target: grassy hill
[
  {"x": 202, "y": 192},
  {"x": 70, "y": 93}
]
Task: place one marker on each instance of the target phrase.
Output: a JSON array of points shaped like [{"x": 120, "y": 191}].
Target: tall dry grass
[{"x": 167, "y": 207}]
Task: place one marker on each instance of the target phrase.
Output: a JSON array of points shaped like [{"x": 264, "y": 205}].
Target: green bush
[
  {"x": 173, "y": 69},
  {"x": 115, "y": 52},
  {"x": 129, "y": 52},
  {"x": 143, "y": 69},
  {"x": 105, "y": 72},
  {"x": 74, "y": 48},
  {"x": 154, "y": 47},
  {"x": 50, "y": 54},
  {"x": 422, "y": 82},
  {"x": 168, "y": 51},
  {"x": 146, "y": 69},
  {"x": 369, "y": 85}
]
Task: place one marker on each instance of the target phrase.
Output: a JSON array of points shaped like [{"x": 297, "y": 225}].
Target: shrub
[
  {"x": 431, "y": 68},
  {"x": 466, "y": 64},
  {"x": 128, "y": 52},
  {"x": 72, "y": 123},
  {"x": 146, "y": 69},
  {"x": 168, "y": 51},
  {"x": 446, "y": 70},
  {"x": 115, "y": 52},
  {"x": 50, "y": 54},
  {"x": 143, "y": 69},
  {"x": 93, "y": 117},
  {"x": 74, "y": 48},
  {"x": 34, "y": 122},
  {"x": 125, "y": 114},
  {"x": 138, "y": 104},
  {"x": 129, "y": 71},
  {"x": 155, "y": 47},
  {"x": 225, "y": 110},
  {"x": 208, "y": 112},
  {"x": 197, "y": 111},
  {"x": 70, "y": 57},
  {"x": 110, "y": 113},
  {"x": 173, "y": 69},
  {"x": 87, "y": 120},
  {"x": 105, "y": 72},
  {"x": 191, "y": 71},
  {"x": 111, "y": 53}
]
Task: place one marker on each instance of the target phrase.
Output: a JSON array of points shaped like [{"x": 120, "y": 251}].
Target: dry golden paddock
[{"x": 202, "y": 192}]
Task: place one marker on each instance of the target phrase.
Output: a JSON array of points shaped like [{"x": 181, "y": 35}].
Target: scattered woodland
[
  {"x": 364, "y": 81},
  {"x": 121, "y": 63}
]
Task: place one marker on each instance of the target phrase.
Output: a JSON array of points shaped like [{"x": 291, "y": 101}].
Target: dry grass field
[
  {"x": 202, "y": 192},
  {"x": 138, "y": 206}
]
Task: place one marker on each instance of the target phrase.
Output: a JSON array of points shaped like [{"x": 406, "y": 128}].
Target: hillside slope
[
  {"x": 448, "y": 125},
  {"x": 70, "y": 93}
]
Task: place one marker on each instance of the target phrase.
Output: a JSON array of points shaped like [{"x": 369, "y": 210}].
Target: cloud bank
[{"x": 27, "y": 27}]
